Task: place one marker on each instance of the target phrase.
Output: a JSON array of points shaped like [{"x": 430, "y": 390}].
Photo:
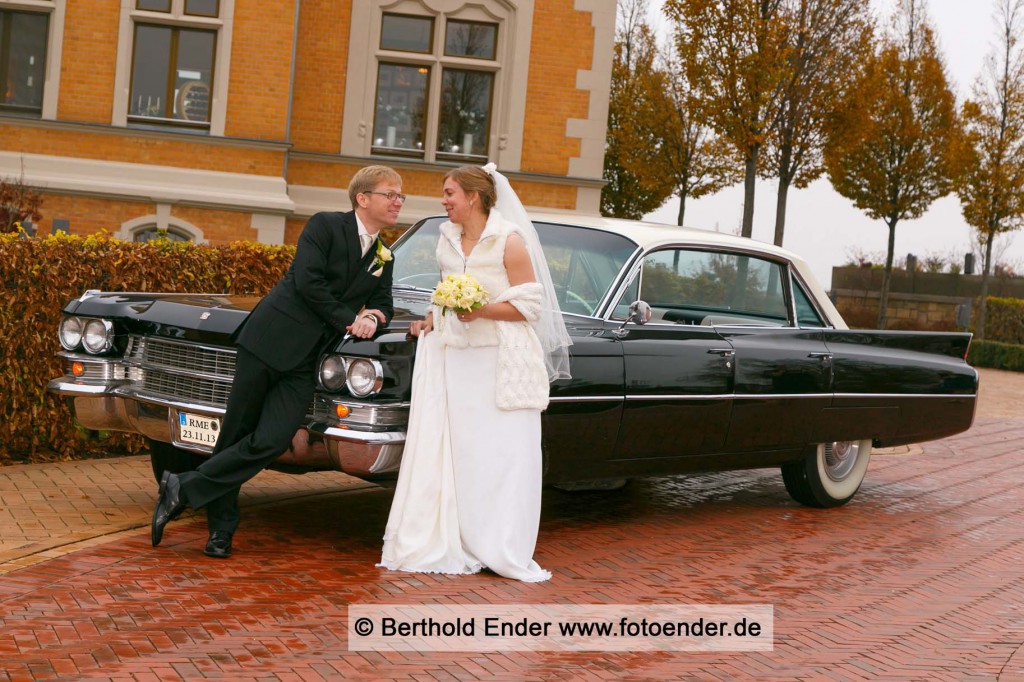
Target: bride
[{"x": 469, "y": 488}]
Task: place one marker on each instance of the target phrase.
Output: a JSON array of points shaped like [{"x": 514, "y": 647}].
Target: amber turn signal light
[{"x": 341, "y": 411}]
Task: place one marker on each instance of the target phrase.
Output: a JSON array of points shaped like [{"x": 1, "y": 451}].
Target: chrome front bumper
[{"x": 116, "y": 406}]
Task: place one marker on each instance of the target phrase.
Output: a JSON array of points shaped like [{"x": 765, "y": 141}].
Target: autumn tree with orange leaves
[
  {"x": 828, "y": 42},
  {"x": 908, "y": 147},
  {"x": 659, "y": 141},
  {"x": 698, "y": 161},
  {"x": 992, "y": 187},
  {"x": 633, "y": 186},
  {"x": 734, "y": 54}
]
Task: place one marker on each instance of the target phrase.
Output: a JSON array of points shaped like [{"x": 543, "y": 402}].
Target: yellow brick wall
[
  {"x": 292, "y": 229},
  {"x": 219, "y": 227},
  {"x": 261, "y": 55},
  {"x": 549, "y": 196},
  {"x": 337, "y": 175},
  {"x": 180, "y": 153},
  {"x": 87, "y": 68},
  {"x": 88, "y": 215},
  {"x": 321, "y": 67},
  {"x": 562, "y": 44}
]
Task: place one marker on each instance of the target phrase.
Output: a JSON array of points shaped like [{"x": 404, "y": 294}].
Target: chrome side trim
[
  {"x": 758, "y": 396},
  {"x": 585, "y": 399},
  {"x": 710, "y": 396},
  {"x": 906, "y": 395},
  {"x": 779, "y": 396}
]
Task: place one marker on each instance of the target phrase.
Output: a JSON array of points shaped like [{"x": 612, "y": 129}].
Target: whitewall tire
[{"x": 830, "y": 475}]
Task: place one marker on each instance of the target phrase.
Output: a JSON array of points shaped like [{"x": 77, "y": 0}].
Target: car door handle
[
  {"x": 825, "y": 358},
  {"x": 724, "y": 352}
]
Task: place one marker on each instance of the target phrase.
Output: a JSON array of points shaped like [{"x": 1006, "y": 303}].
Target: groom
[{"x": 336, "y": 273}]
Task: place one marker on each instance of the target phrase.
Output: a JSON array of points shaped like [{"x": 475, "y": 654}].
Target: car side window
[
  {"x": 632, "y": 293},
  {"x": 689, "y": 286},
  {"x": 806, "y": 315}
]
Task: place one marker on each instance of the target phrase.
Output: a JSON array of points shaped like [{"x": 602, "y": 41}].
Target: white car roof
[{"x": 651, "y": 235}]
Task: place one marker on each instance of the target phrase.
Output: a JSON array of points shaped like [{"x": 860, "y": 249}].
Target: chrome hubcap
[{"x": 840, "y": 458}]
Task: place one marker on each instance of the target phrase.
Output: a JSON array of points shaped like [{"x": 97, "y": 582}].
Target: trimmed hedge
[
  {"x": 1004, "y": 320},
  {"x": 39, "y": 276},
  {"x": 996, "y": 355}
]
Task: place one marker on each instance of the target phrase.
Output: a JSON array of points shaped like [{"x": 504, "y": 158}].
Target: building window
[
  {"x": 171, "y": 74},
  {"x": 199, "y": 8},
  {"x": 173, "y": 62},
  {"x": 23, "y": 40},
  {"x": 422, "y": 55},
  {"x": 161, "y": 226},
  {"x": 442, "y": 81},
  {"x": 155, "y": 234}
]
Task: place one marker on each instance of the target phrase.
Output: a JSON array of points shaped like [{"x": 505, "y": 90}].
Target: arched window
[
  {"x": 155, "y": 234},
  {"x": 162, "y": 225}
]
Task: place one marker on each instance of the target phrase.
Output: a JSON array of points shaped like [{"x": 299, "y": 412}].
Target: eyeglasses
[{"x": 390, "y": 196}]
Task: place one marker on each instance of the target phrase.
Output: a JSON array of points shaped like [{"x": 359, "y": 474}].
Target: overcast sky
[{"x": 825, "y": 228}]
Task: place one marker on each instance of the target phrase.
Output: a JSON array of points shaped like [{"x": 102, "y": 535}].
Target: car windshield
[{"x": 584, "y": 262}]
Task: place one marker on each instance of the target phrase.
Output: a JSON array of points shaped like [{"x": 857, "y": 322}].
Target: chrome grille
[
  {"x": 218, "y": 362},
  {"x": 181, "y": 370}
]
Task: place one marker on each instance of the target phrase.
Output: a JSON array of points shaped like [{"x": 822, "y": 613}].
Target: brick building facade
[{"x": 219, "y": 120}]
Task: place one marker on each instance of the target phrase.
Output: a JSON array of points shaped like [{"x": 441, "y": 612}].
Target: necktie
[{"x": 365, "y": 240}]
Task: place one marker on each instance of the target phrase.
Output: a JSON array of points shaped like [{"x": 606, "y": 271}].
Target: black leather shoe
[
  {"x": 169, "y": 505},
  {"x": 219, "y": 544}
]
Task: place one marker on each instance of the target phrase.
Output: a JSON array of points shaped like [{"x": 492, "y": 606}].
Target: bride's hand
[{"x": 422, "y": 327}]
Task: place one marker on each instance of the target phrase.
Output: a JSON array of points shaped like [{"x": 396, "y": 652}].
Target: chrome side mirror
[{"x": 639, "y": 313}]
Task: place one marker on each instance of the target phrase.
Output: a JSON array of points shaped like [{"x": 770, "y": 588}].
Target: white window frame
[
  {"x": 56, "y": 10},
  {"x": 222, "y": 24},
  {"x": 161, "y": 220},
  {"x": 508, "y": 103}
]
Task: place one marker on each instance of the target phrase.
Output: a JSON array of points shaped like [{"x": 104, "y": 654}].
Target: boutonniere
[{"x": 382, "y": 256}]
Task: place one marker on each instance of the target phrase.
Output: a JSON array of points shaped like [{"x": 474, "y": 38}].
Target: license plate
[{"x": 198, "y": 429}]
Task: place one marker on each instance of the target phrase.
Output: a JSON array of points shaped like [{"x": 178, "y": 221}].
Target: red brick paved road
[{"x": 921, "y": 577}]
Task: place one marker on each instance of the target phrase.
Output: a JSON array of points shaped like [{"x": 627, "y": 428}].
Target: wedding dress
[{"x": 469, "y": 487}]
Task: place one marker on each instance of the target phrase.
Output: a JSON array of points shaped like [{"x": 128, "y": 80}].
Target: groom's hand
[{"x": 365, "y": 325}]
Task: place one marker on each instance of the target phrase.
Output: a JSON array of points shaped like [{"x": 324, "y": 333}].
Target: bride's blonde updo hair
[{"x": 476, "y": 179}]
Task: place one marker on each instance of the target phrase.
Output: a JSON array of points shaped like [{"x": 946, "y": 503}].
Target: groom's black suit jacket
[{"x": 328, "y": 282}]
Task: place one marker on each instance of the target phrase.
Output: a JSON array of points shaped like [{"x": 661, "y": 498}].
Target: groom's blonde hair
[
  {"x": 475, "y": 179},
  {"x": 366, "y": 179}
]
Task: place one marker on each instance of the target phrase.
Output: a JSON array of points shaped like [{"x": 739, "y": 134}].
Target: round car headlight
[
  {"x": 98, "y": 336},
  {"x": 70, "y": 332},
  {"x": 364, "y": 377},
  {"x": 332, "y": 372}
]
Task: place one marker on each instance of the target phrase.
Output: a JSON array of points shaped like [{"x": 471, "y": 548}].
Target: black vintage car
[{"x": 693, "y": 351}]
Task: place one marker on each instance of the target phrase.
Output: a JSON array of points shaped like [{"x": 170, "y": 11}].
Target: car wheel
[
  {"x": 830, "y": 475},
  {"x": 166, "y": 457}
]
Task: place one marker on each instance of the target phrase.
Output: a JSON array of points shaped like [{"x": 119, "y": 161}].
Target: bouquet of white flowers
[{"x": 459, "y": 293}]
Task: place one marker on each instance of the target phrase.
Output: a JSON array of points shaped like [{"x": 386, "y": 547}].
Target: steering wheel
[{"x": 573, "y": 297}]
